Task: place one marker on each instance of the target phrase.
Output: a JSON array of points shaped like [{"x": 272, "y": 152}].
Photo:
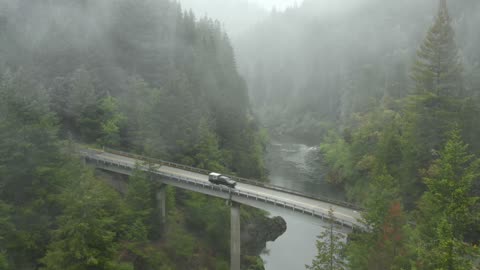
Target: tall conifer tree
[
  {"x": 448, "y": 209},
  {"x": 438, "y": 67},
  {"x": 330, "y": 246}
]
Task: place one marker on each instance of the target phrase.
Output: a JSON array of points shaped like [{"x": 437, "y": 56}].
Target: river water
[{"x": 295, "y": 166}]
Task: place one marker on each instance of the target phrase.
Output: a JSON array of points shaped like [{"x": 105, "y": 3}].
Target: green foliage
[
  {"x": 208, "y": 155},
  {"x": 31, "y": 167},
  {"x": 330, "y": 247},
  {"x": 470, "y": 123},
  {"x": 152, "y": 80},
  {"x": 337, "y": 153},
  {"x": 27, "y": 138},
  {"x": 74, "y": 99},
  {"x": 3, "y": 262},
  {"x": 427, "y": 120},
  {"x": 88, "y": 228},
  {"x": 209, "y": 215},
  {"x": 447, "y": 210},
  {"x": 405, "y": 153},
  {"x": 223, "y": 265},
  {"x": 447, "y": 214},
  {"x": 449, "y": 181},
  {"x": 143, "y": 81},
  {"x": 111, "y": 121},
  {"x": 255, "y": 263},
  {"x": 438, "y": 68},
  {"x": 382, "y": 247},
  {"x": 141, "y": 205},
  {"x": 151, "y": 257},
  {"x": 360, "y": 154},
  {"x": 47, "y": 189},
  {"x": 473, "y": 81},
  {"x": 383, "y": 191},
  {"x": 6, "y": 231},
  {"x": 447, "y": 252},
  {"x": 182, "y": 246}
]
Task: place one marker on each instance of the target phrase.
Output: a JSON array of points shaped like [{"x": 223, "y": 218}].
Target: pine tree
[
  {"x": 382, "y": 247},
  {"x": 140, "y": 217},
  {"x": 438, "y": 68},
  {"x": 447, "y": 210},
  {"x": 110, "y": 121},
  {"x": 330, "y": 245},
  {"x": 208, "y": 155},
  {"x": 88, "y": 229}
]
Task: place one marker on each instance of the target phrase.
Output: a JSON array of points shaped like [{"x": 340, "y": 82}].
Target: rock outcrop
[{"x": 257, "y": 230}]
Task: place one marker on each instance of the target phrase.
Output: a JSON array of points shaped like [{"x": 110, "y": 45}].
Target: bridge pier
[
  {"x": 235, "y": 236},
  {"x": 161, "y": 206}
]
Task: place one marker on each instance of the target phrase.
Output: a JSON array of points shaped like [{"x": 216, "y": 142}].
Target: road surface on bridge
[{"x": 341, "y": 213}]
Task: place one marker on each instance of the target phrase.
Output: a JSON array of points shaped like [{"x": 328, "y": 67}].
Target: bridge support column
[
  {"x": 235, "y": 236},
  {"x": 161, "y": 206}
]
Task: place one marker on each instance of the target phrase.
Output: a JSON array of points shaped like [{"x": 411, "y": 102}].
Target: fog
[
  {"x": 240, "y": 15},
  {"x": 215, "y": 7},
  {"x": 322, "y": 61},
  {"x": 211, "y": 84},
  {"x": 235, "y": 15},
  {"x": 341, "y": 72}
]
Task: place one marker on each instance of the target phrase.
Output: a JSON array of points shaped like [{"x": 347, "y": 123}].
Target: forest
[
  {"x": 388, "y": 90},
  {"x": 393, "y": 102},
  {"x": 140, "y": 76}
]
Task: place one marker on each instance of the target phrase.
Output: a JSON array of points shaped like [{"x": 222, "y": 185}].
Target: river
[{"x": 295, "y": 166}]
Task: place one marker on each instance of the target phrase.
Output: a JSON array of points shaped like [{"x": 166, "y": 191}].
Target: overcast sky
[
  {"x": 216, "y": 4},
  {"x": 279, "y": 4},
  {"x": 236, "y": 15}
]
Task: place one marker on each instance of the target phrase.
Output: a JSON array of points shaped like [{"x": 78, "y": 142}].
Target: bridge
[{"x": 247, "y": 192}]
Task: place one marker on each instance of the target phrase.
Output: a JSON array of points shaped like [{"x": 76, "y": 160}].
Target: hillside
[
  {"x": 317, "y": 64},
  {"x": 140, "y": 76}
]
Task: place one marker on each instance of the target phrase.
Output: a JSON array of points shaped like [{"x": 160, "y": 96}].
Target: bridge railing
[
  {"x": 263, "y": 198},
  {"x": 236, "y": 178}
]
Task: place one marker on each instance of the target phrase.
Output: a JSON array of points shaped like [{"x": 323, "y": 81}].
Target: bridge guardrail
[
  {"x": 236, "y": 178},
  {"x": 237, "y": 192}
]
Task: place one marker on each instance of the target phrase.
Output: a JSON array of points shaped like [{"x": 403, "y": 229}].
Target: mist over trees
[
  {"x": 390, "y": 92},
  {"x": 308, "y": 67},
  {"x": 236, "y": 16},
  {"x": 438, "y": 68},
  {"x": 131, "y": 68},
  {"x": 143, "y": 76}
]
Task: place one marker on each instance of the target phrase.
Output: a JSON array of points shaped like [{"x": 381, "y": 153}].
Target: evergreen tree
[
  {"x": 208, "y": 155},
  {"x": 448, "y": 210},
  {"x": 30, "y": 167},
  {"x": 75, "y": 99},
  {"x": 88, "y": 229},
  {"x": 110, "y": 121},
  {"x": 141, "y": 203},
  {"x": 382, "y": 246},
  {"x": 184, "y": 71},
  {"x": 330, "y": 246},
  {"x": 438, "y": 68}
]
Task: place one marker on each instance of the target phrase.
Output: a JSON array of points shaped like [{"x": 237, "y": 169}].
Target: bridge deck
[{"x": 244, "y": 193}]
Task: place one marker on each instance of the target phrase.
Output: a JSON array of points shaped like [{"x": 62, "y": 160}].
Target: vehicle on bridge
[{"x": 219, "y": 179}]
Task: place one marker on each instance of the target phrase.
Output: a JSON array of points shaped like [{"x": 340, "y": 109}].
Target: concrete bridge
[{"x": 247, "y": 192}]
